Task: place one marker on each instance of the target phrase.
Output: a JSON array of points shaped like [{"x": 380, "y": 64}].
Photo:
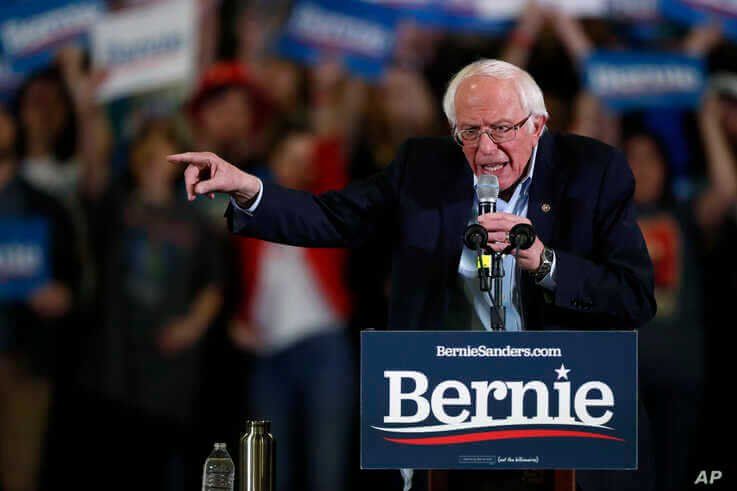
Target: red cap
[{"x": 231, "y": 74}]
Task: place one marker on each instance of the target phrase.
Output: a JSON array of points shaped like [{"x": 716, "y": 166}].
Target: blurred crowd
[{"x": 157, "y": 333}]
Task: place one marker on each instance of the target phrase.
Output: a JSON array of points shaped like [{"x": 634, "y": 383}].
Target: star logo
[{"x": 562, "y": 372}]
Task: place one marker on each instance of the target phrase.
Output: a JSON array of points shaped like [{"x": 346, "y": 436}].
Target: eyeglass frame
[{"x": 515, "y": 127}]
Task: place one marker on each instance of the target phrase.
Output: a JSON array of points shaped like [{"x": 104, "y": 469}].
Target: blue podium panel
[{"x": 484, "y": 400}]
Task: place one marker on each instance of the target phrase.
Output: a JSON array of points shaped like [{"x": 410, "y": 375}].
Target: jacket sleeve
[
  {"x": 344, "y": 218},
  {"x": 617, "y": 281}
]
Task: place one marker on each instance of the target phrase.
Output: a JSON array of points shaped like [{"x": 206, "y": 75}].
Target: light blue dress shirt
[{"x": 517, "y": 205}]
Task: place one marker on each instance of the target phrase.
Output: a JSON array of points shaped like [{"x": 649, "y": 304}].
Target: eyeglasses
[{"x": 498, "y": 134}]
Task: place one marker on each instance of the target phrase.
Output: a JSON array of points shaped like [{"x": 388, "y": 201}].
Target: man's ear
[{"x": 538, "y": 125}]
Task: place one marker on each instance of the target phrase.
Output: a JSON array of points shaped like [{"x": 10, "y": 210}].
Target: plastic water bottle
[{"x": 219, "y": 471}]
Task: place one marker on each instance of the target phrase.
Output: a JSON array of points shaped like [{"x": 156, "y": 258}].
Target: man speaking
[{"x": 588, "y": 267}]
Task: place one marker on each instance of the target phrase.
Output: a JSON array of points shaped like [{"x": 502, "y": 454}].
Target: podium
[{"x": 498, "y": 411}]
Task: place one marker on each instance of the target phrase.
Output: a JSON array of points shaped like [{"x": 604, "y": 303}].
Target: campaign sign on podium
[{"x": 498, "y": 400}]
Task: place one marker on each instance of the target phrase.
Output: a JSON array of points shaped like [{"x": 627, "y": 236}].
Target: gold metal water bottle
[{"x": 257, "y": 458}]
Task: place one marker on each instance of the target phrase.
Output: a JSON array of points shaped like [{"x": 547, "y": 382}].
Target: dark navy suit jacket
[{"x": 580, "y": 204}]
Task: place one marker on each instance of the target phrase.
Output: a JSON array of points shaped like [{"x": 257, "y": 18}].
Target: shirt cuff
[
  {"x": 251, "y": 209},
  {"x": 548, "y": 282}
]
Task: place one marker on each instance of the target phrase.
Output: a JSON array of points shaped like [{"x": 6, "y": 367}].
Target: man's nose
[{"x": 486, "y": 144}]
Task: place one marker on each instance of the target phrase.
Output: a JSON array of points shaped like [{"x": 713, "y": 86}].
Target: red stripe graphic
[{"x": 500, "y": 435}]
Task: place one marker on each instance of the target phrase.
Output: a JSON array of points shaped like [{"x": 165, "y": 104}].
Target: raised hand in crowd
[
  {"x": 523, "y": 36},
  {"x": 94, "y": 136},
  {"x": 336, "y": 100},
  {"x": 701, "y": 39},
  {"x": 721, "y": 162}
]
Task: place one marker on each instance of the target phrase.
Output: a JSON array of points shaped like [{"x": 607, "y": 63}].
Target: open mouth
[{"x": 492, "y": 168}]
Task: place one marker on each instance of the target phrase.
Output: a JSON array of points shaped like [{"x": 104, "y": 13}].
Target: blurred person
[
  {"x": 48, "y": 132},
  {"x": 64, "y": 138},
  {"x": 525, "y": 33},
  {"x": 401, "y": 105},
  {"x": 336, "y": 102},
  {"x": 285, "y": 82},
  {"x": 31, "y": 323},
  {"x": 293, "y": 315},
  {"x": 678, "y": 235},
  {"x": 415, "y": 45},
  {"x": 159, "y": 292},
  {"x": 229, "y": 112},
  {"x": 671, "y": 348},
  {"x": 256, "y": 23},
  {"x": 589, "y": 116},
  {"x": 718, "y": 128}
]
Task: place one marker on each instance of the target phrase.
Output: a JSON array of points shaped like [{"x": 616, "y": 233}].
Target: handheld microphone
[
  {"x": 487, "y": 190},
  {"x": 476, "y": 236}
]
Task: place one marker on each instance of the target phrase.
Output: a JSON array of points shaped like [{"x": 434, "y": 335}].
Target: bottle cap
[{"x": 258, "y": 424}]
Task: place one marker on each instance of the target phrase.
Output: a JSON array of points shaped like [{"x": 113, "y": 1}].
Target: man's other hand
[
  {"x": 206, "y": 173},
  {"x": 498, "y": 225}
]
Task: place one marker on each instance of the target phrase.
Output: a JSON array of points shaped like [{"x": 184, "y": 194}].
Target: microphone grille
[{"x": 487, "y": 187}]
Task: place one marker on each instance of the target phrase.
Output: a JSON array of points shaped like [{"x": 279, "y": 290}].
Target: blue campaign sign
[
  {"x": 501, "y": 400},
  {"x": 470, "y": 16},
  {"x": 696, "y": 12},
  {"x": 360, "y": 34},
  {"x": 638, "y": 80},
  {"x": 24, "y": 257},
  {"x": 633, "y": 10},
  {"x": 31, "y": 31}
]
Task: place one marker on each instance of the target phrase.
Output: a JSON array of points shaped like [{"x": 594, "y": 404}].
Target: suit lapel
[
  {"x": 547, "y": 185},
  {"x": 541, "y": 208}
]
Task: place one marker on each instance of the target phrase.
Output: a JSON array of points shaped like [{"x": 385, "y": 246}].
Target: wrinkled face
[
  {"x": 648, "y": 168},
  {"x": 486, "y": 102}
]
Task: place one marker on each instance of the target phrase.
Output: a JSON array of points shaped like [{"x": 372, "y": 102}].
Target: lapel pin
[{"x": 545, "y": 207}]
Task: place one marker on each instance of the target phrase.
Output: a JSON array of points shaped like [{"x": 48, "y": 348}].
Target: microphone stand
[
  {"x": 498, "y": 314},
  {"x": 491, "y": 275}
]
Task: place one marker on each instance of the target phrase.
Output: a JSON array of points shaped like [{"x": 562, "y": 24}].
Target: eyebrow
[{"x": 503, "y": 122}]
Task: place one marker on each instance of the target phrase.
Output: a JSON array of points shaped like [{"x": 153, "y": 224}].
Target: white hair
[{"x": 530, "y": 95}]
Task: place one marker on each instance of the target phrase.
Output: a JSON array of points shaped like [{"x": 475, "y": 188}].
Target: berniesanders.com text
[{"x": 483, "y": 351}]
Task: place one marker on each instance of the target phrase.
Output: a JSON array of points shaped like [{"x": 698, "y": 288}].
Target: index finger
[
  {"x": 199, "y": 159},
  {"x": 501, "y": 217},
  {"x": 501, "y": 221}
]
